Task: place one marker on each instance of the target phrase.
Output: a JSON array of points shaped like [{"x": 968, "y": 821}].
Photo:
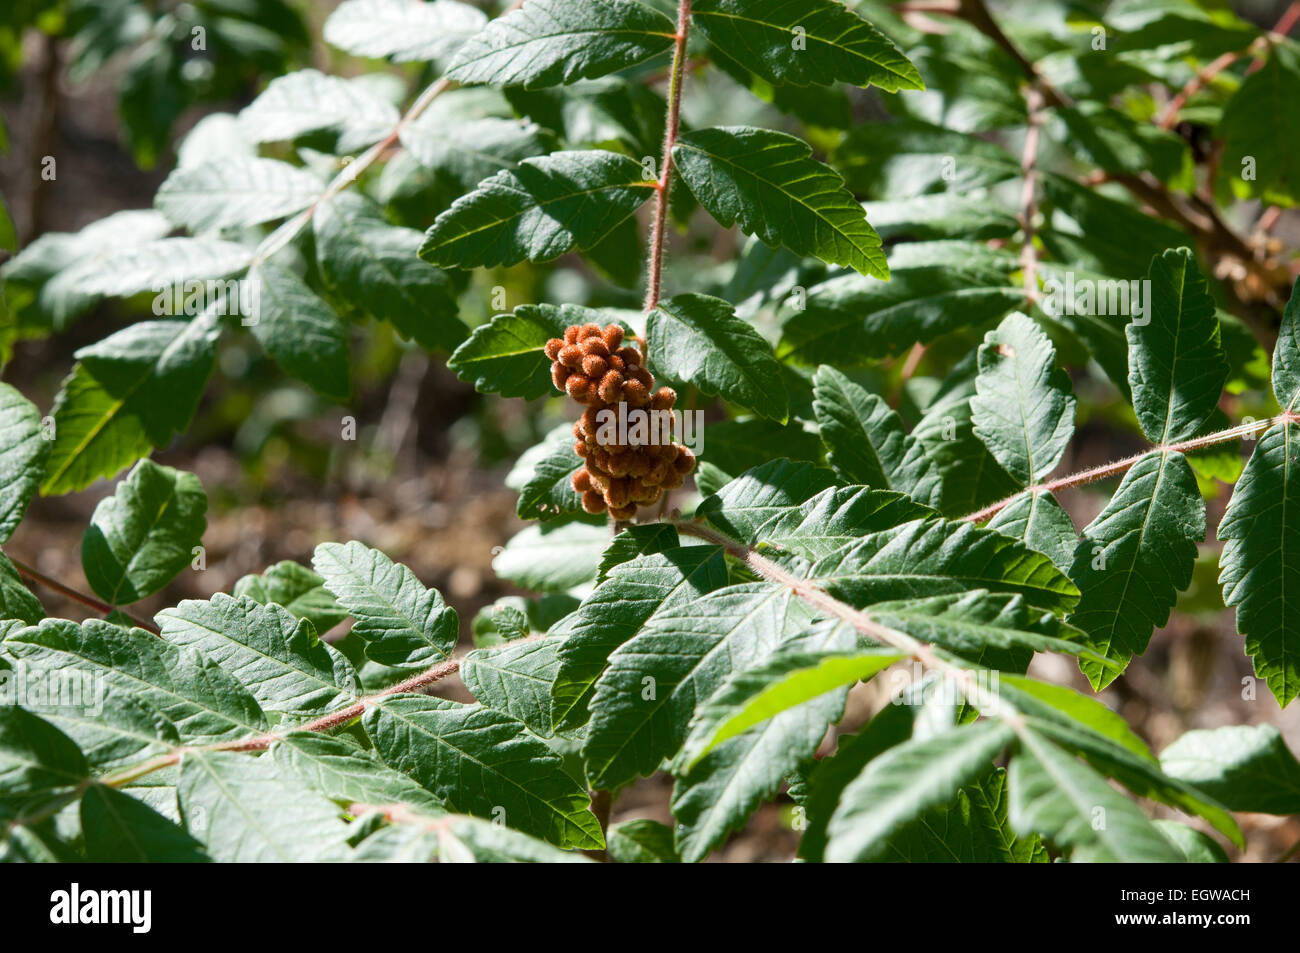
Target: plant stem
[
  {"x": 664, "y": 188},
  {"x": 90, "y": 602},
  {"x": 1029, "y": 191},
  {"x": 1120, "y": 466}
]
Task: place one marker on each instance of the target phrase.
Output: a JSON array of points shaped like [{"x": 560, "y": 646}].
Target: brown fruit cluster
[{"x": 593, "y": 367}]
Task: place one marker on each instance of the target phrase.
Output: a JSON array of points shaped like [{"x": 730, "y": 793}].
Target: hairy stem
[
  {"x": 664, "y": 188},
  {"x": 1120, "y": 466},
  {"x": 90, "y": 602}
]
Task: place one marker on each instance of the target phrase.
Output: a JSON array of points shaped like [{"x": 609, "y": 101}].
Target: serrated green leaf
[
  {"x": 748, "y": 503},
  {"x": 516, "y": 679},
  {"x": 205, "y": 703},
  {"x": 769, "y": 183},
  {"x": 933, "y": 557},
  {"x": 505, "y": 355},
  {"x": 300, "y": 331},
  {"x": 865, "y": 439},
  {"x": 908, "y": 158},
  {"x": 1259, "y": 127},
  {"x": 638, "y": 540},
  {"x": 934, "y": 288},
  {"x": 144, "y": 534},
  {"x": 1023, "y": 409},
  {"x": 642, "y": 841},
  {"x": 346, "y": 773},
  {"x": 538, "y": 210},
  {"x": 23, "y": 451},
  {"x": 561, "y": 41},
  {"x": 467, "y": 149},
  {"x": 1064, "y": 801},
  {"x": 698, "y": 338},
  {"x": 403, "y": 30},
  {"x": 1196, "y": 848},
  {"x": 121, "y": 829},
  {"x": 902, "y": 783},
  {"x": 1043, "y": 524},
  {"x": 616, "y": 610},
  {"x": 308, "y": 100},
  {"x": 1247, "y": 767},
  {"x": 802, "y": 42},
  {"x": 373, "y": 266},
  {"x": 1286, "y": 356},
  {"x": 133, "y": 270},
  {"x": 248, "y": 810},
  {"x": 402, "y": 622},
  {"x": 234, "y": 193},
  {"x": 552, "y": 557},
  {"x": 298, "y": 589},
  {"x": 277, "y": 658},
  {"x": 16, "y": 600},
  {"x": 36, "y": 760},
  {"x": 485, "y": 763},
  {"x": 1176, "y": 362},
  {"x": 1135, "y": 558},
  {"x": 1259, "y": 570},
  {"x": 645, "y": 698},
  {"x": 547, "y": 491},
  {"x": 724, "y": 786}
]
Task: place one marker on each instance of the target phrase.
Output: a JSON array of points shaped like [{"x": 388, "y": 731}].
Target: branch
[
  {"x": 90, "y": 602},
  {"x": 1120, "y": 466},
  {"x": 664, "y": 188}
]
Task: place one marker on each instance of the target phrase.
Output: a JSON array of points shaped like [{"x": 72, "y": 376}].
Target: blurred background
[{"x": 110, "y": 87}]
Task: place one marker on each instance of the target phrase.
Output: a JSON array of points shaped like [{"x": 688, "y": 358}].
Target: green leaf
[
  {"x": 16, "y": 600},
  {"x": 132, "y": 391},
  {"x": 204, "y": 702},
  {"x": 907, "y": 158},
  {"x": 1259, "y": 128},
  {"x": 373, "y": 266},
  {"x": 1043, "y": 524},
  {"x": 865, "y": 439},
  {"x": 36, "y": 760},
  {"x": 516, "y": 679},
  {"x": 402, "y": 622},
  {"x": 616, "y": 610},
  {"x": 465, "y": 147},
  {"x": 346, "y": 773},
  {"x": 1023, "y": 409},
  {"x": 645, "y": 698},
  {"x": 698, "y": 338},
  {"x": 1059, "y": 798},
  {"x": 901, "y": 784},
  {"x": 308, "y": 100},
  {"x": 402, "y": 30},
  {"x": 539, "y": 210},
  {"x": 743, "y": 507},
  {"x": 723, "y": 788},
  {"x": 1047, "y": 702},
  {"x": 1110, "y": 235},
  {"x": 561, "y": 41},
  {"x": 553, "y": 557},
  {"x": 23, "y": 451},
  {"x": 769, "y": 182},
  {"x": 144, "y": 534},
  {"x": 1247, "y": 767},
  {"x": 121, "y": 829},
  {"x": 133, "y": 270},
  {"x": 639, "y": 540},
  {"x": 300, "y": 332},
  {"x": 1259, "y": 570},
  {"x": 1135, "y": 558},
  {"x": 457, "y": 839},
  {"x": 298, "y": 589},
  {"x": 277, "y": 658},
  {"x": 1176, "y": 362},
  {"x": 934, "y": 288},
  {"x": 505, "y": 355},
  {"x": 642, "y": 841},
  {"x": 1286, "y": 357},
  {"x": 784, "y": 680},
  {"x": 546, "y": 471},
  {"x": 234, "y": 193},
  {"x": 814, "y": 41},
  {"x": 935, "y": 557},
  {"x": 248, "y": 810},
  {"x": 1196, "y": 848},
  {"x": 938, "y": 217},
  {"x": 485, "y": 763}
]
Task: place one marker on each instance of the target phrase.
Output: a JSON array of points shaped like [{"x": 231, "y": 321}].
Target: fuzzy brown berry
[{"x": 594, "y": 367}]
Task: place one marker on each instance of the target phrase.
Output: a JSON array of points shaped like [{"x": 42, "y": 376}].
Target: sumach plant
[{"x": 854, "y": 514}]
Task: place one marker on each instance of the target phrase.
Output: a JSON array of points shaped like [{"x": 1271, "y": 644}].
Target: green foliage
[{"x": 890, "y": 393}]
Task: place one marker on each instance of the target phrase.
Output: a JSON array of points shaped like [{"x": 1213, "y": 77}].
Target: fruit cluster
[{"x": 592, "y": 366}]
